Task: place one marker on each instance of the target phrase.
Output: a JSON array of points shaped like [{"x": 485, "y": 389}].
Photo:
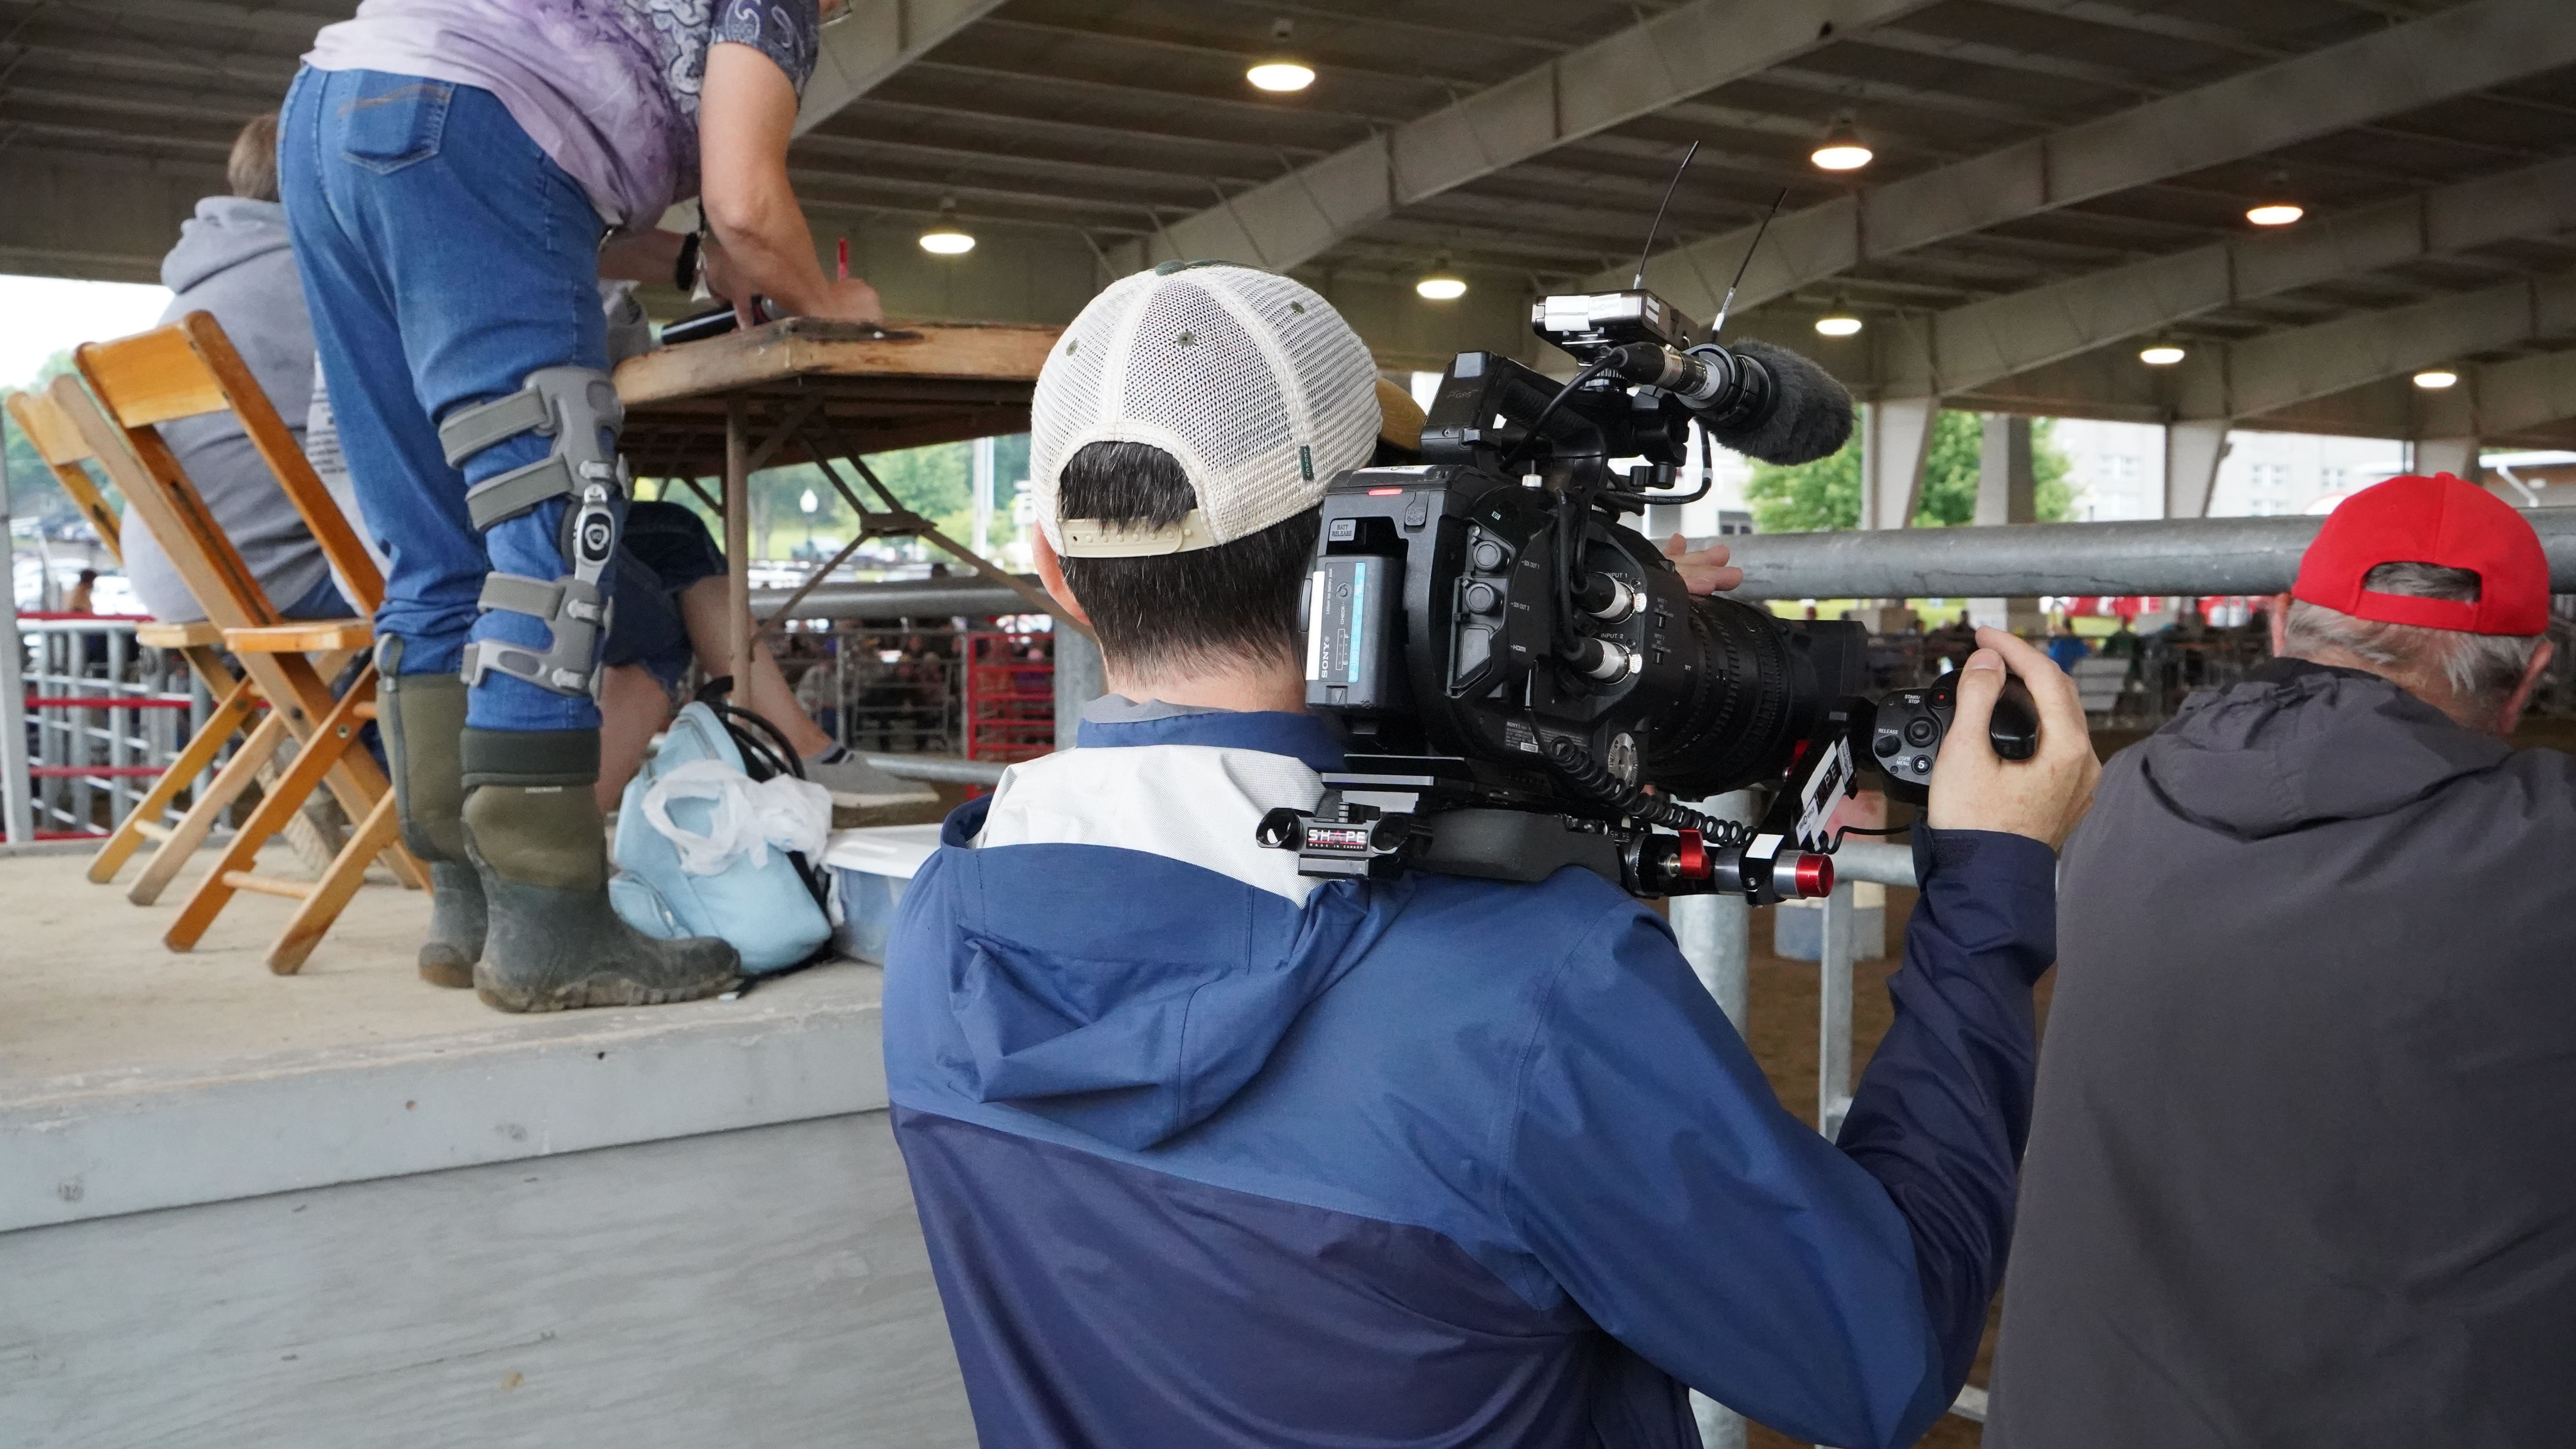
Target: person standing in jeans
[{"x": 458, "y": 175}]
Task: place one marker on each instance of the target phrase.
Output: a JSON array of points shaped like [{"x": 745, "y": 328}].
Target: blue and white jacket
[{"x": 1210, "y": 1153}]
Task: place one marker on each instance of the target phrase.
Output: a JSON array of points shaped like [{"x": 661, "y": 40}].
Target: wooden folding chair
[
  {"x": 237, "y": 698},
  {"x": 185, "y": 369}
]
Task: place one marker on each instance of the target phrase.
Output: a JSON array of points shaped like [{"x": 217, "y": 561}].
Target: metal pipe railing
[
  {"x": 907, "y": 599},
  {"x": 938, "y": 768},
  {"x": 2192, "y": 556}
]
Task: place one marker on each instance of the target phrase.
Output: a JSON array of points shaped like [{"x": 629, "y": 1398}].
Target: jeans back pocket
[{"x": 399, "y": 121}]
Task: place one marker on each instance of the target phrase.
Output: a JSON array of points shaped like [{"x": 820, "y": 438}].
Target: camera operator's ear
[{"x": 1051, "y": 574}]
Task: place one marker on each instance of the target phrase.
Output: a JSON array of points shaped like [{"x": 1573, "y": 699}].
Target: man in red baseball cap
[{"x": 2299, "y": 1172}]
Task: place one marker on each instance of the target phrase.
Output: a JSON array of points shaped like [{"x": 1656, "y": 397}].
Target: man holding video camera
[
  {"x": 1209, "y": 1152},
  {"x": 2302, "y": 1171}
]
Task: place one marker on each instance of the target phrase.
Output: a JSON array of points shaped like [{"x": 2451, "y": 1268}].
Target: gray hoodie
[
  {"x": 2303, "y": 1165},
  {"x": 232, "y": 260}
]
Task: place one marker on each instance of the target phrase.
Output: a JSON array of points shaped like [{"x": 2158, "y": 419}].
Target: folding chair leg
[
  {"x": 230, "y": 714},
  {"x": 380, "y": 833},
  {"x": 314, "y": 763},
  {"x": 229, "y": 784}
]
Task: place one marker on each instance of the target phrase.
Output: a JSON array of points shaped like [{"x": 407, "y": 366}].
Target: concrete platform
[{"x": 348, "y": 1208}]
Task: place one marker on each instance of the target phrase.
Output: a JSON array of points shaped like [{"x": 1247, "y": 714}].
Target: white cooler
[{"x": 870, "y": 869}]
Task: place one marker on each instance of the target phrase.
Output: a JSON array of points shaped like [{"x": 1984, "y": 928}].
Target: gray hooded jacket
[
  {"x": 232, "y": 260},
  {"x": 2303, "y": 1167}
]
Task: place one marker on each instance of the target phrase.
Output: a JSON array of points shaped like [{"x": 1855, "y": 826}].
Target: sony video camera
[{"x": 1512, "y": 669}]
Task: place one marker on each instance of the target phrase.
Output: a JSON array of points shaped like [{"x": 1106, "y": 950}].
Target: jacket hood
[
  {"x": 2299, "y": 744},
  {"x": 1129, "y": 957},
  {"x": 226, "y": 232}
]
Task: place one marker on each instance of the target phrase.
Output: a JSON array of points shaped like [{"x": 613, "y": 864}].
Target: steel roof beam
[
  {"x": 1971, "y": 346},
  {"x": 1663, "y": 59},
  {"x": 872, "y": 42},
  {"x": 2505, "y": 397},
  {"x": 2284, "y": 369},
  {"x": 2457, "y": 52}
]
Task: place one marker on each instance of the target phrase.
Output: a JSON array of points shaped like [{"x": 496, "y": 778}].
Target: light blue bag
[{"x": 704, "y": 850}]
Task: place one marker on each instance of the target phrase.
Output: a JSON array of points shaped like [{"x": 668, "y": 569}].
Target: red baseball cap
[{"x": 2441, "y": 520}]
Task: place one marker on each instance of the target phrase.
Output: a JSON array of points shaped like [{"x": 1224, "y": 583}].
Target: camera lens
[{"x": 1750, "y": 701}]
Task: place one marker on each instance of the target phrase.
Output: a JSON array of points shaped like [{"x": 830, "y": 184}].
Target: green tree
[{"x": 1826, "y": 493}]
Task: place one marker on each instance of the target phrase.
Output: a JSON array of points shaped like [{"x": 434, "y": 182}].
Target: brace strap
[
  {"x": 470, "y": 430},
  {"x": 575, "y": 616}
]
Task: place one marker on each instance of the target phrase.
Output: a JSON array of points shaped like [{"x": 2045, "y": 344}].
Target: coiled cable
[{"x": 1593, "y": 780}]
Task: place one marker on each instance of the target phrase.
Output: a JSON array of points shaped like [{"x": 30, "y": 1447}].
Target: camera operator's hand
[
  {"x": 2041, "y": 797},
  {"x": 1704, "y": 572}
]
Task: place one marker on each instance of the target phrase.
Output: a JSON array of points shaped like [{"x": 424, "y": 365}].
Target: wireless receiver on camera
[{"x": 1525, "y": 684}]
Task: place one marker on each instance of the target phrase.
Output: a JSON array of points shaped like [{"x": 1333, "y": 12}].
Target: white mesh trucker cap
[{"x": 1254, "y": 383}]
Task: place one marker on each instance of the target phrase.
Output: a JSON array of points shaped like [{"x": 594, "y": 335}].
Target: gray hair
[{"x": 2482, "y": 669}]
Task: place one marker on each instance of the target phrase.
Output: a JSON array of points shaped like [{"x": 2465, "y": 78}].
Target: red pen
[{"x": 845, "y": 259}]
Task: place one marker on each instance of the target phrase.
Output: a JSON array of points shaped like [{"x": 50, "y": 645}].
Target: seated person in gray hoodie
[
  {"x": 233, "y": 260},
  {"x": 2301, "y": 1170}
]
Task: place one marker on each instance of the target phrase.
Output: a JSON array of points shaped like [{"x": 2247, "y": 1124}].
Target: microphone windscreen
[{"x": 1810, "y": 416}]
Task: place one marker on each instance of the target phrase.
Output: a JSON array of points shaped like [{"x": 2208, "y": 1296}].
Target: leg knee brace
[{"x": 577, "y": 409}]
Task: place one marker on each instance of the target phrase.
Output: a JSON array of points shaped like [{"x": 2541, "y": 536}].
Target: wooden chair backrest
[
  {"x": 60, "y": 445},
  {"x": 159, "y": 493},
  {"x": 189, "y": 367}
]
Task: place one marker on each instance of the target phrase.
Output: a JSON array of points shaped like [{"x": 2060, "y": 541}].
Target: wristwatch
[{"x": 684, "y": 275}]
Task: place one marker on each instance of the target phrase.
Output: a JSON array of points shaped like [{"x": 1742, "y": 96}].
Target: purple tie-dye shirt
[{"x": 609, "y": 88}]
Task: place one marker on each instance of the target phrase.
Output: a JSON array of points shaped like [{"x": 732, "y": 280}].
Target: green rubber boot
[
  {"x": 534, "y": 831},
  {"x": 424, "y": 722}
]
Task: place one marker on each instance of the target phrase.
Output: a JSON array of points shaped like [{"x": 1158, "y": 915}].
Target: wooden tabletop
[{"x": 927, "y": 383}]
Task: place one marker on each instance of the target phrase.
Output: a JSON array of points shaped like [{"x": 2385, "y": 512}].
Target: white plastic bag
[{"x": 747, "y": 818}]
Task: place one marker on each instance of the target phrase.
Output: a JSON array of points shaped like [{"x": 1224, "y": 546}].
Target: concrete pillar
[
  {"x": 2007, "y": 492},
  {"x": 1896, "y": 438},
  {"x": 2455, "y": 456},
  {"x": 2193, "y": 451},
  {"x": 1078, "y": 681}
]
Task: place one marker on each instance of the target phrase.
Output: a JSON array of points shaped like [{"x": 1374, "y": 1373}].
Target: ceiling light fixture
[
  {"x": 1842, "y": 148},
  {"x": 947, "y": 239},
  {"x": 2161, "y": 354},
  {"x": 1441, "y": 284},
  {"x": 1838, "y": 323},
  {"x": 2436, "y": 378},
  {"x": 1280, "y": 74},
  {"x": 2278, "y": 209}
]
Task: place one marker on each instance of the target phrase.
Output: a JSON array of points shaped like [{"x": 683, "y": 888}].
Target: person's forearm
[
  {"x": 1944, "y": 1108},
  {"x": 767, "y": 242}
]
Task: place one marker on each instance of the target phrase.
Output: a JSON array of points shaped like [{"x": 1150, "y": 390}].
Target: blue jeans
[{"x": 445, "y": 257}]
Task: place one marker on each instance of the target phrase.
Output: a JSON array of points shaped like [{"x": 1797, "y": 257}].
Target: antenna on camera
[
  {"x": 1661, "y": 207},
  {"x": 1745, "y": 265}
]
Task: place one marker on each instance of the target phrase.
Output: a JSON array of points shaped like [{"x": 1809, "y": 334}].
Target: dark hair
[
  {"x": 1234, "y": 603},
  {"x": 252, "y": 170}
]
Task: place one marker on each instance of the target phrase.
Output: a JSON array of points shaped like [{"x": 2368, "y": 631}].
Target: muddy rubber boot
[
  {"x": 535, "y": 833},
  {"x": 424, "y": 723}
]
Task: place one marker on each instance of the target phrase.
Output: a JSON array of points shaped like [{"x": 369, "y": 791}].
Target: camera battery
[{"x": 1351, "y": 617}]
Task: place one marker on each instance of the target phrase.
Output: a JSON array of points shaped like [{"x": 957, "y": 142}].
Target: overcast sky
[{"x": 40, "y": 316}]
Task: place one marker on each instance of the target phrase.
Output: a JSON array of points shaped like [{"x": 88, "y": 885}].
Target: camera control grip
[{"x": 1910, "y": 724}]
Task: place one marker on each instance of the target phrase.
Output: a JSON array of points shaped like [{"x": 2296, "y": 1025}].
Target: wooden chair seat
[
  {"x": 199, "y": 635},
  {"x": 321, "y": 636}
]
